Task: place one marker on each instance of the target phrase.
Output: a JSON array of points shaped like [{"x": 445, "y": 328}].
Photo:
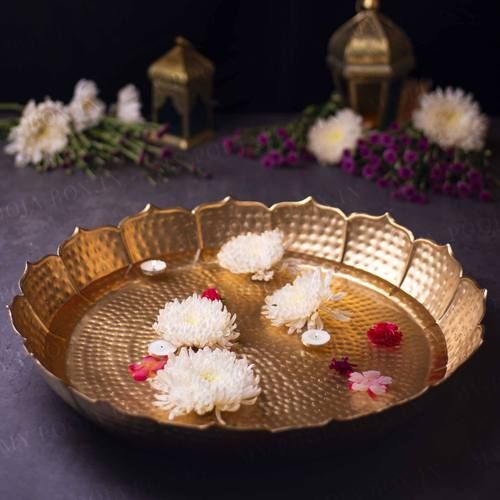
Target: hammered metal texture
[
  {"x": 460, "y": 320},
  {"x": 47, "y": 286},
  {"x": 90, "y": 255},
  {"x": 432, "y": 276},
  {"x": 378, "y": 245},
  {"x": 221, "y": 221},
  {"x": 88, "y": 313},
  {"x": 156, "y": 232},
  {"x": 311, "y": 228},
  {"x": 298, "y": 388}
]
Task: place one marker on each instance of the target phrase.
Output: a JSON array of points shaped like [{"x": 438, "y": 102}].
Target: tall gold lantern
[
  {"x": 369, "y": 57},
  {"x": 182, "y": 86}
]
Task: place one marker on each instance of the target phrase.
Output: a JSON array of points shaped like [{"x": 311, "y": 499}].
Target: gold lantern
[
  {"x": 369, "y": 57},
  {"x": 182, "y": 85}
]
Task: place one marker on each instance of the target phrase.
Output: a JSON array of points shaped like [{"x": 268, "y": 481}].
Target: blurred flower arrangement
[
  {"x": 441, "y": 150},
  {"x": 83, "y": 136}
]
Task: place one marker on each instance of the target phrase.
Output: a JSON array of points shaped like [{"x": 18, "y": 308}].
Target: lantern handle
[{"x": 367, "y": 5}]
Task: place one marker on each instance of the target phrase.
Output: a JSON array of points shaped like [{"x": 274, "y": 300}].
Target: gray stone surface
[{"x": 47, "y": 451}]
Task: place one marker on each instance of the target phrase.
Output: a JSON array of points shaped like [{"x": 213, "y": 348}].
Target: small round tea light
[
  {"x": 315, "y": 338},
  {"x": 153, "y": 266},
  {"x": 160, "y": 348}
]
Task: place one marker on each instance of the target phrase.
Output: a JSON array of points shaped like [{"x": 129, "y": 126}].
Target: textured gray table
[{"x": 48, "y": 452}]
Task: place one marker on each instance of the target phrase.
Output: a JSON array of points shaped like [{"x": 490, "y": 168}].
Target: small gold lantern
[
  {"x": 369, "y": 57},
  {"x": 182, "y": 86}
]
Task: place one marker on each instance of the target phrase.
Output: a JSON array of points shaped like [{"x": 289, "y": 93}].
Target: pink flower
[
  {"x": 385, "y": 334},
  {"x": 370, "y": 381},
  {"x": 211, "y": 294},
  {"x": 146, "y": 368}
]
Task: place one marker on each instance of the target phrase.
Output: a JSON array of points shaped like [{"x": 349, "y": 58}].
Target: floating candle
[
  {"x": 161, "y": 348},
  {"x": 153, "y": 266},
  {"x": 315, "y": 338}
]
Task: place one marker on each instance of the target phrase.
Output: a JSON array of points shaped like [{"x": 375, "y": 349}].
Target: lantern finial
[{"x": 367, "y": 5}]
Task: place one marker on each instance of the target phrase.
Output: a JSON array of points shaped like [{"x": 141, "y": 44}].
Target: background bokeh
[{"x": 270, "y": 55}]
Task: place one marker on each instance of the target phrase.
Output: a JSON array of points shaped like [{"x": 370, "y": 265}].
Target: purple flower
[
  {"x": 485, "y": 195},
  {"x": 457, "y": 168},
  {"x": 405, "y": 173},
  {"x": 348, "y": 165},
  {"x": 387, "y": 140},
  {"x": 463, "y": 189},
  {"x": 375, "y": 161},
  {"x": 228, "y": 144},
  {"x": 409, "y": 192},
  {"x": 420, "y": 198},
  {"x": 290, "y": 144},
  {"x": 405, "y": 140},
  {"x": 263, "y": 139},
  {"x": 282, "y": 133},
  {"x": 277, "y": 157},
  {"x": 374, "y": 138},
  {"x": 475, "y": 178},
  {"x": 361, "y": 142},
  {"x": 410, "y": 156},
  {"x": 342, "y": 366},
  {"x": 384, "y": 182},
  {"x": 292, "y": 158},
  {"x": 364, "y": 151},
  {"x": 165, "y": 153},
  {"x": 436, "y": 174},
  {"x": 423, "y": 144},
  {"x": 368, "y": 172},
  {"x": 390, "y": 156},
  {"x": 267, "y": 161},
  {"x": 394, "y": 126}
]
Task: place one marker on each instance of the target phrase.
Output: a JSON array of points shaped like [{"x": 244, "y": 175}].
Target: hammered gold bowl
[{"x": 86, "y": 313}]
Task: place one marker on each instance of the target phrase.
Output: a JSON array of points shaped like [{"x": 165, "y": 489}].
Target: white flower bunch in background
[
  {"x": 329, "y": 138},
  {"x": 42, "y": 132},
  {"x": 203, "y": 381},
  {"x": 128, "y": 107},
  {"x": 85, "y": 109},
  {"x": 196, "y": 322},
  {"x": 253, "y": 253},
  {"x": 296, "y": 304},
  {"x": 451, "y": 118}
]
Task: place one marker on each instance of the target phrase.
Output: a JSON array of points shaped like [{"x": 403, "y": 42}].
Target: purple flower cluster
[
  {"x": 403, "y": 160},
  {"x": 275, "y": 147}
]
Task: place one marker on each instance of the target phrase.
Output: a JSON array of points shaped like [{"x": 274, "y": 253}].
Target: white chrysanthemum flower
[
  {"x": 196, "y": 322},
  {"x": 329, "y": 138},
  {"x": 296, "y": 304},
  {"x": 128, "y": 107},
  {"x": 203, "y": 381},
  {"x": 253, "y": 253},
  {"x": 85, "y": 109},
  {"x": 42, "y": 132},
  {"x": 451, "y": 118}
]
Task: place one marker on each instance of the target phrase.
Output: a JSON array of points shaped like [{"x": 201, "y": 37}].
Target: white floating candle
[
  {"x": 153, "y": 266},
  {"x": 160, "y": 348},
  {"x": 315, "y": 338}
]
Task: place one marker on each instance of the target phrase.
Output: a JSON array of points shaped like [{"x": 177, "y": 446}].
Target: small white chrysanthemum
[
  {"x": 329, "y": 138},
  {"x": 128, "y": 107},
  {"x": 196, "y": 322},
  {"x": 297, "y": 303},
  {"x": 42, "y": 132},
  {"x": 203, "y": 381},
  {"x": 85, "y": 109},
  {"x": 253, "y": 253},
  {"x": 451, "y": 118}
]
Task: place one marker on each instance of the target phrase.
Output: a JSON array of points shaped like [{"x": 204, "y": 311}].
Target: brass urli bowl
[{"x": 86, "y": 313}]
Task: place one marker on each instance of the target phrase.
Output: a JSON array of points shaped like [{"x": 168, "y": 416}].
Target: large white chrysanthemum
[
  {"x": 85, "y": 109},
  {"x": 329, "y": 138},
  {"x": 296, "y": 304},
  {"x": 253, "y": 253},
  {"x": 42, "y": 132},
  {"x": 128, "y": 107},
  {"x": 451, "y": 118},
  {"x": 203, "y": 381},
  {"x": 196, "y": 322}
]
